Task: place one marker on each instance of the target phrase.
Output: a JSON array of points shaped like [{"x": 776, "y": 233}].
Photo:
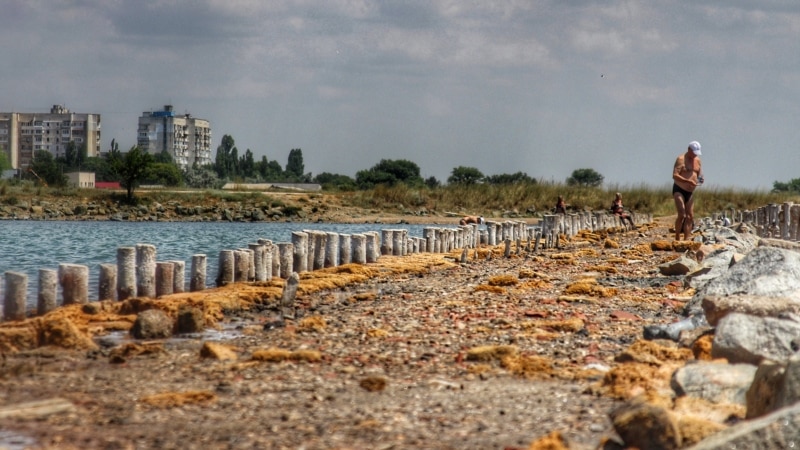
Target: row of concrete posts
[{"x": 138, "y": 273}]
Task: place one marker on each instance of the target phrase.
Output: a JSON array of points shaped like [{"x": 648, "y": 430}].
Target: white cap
[{"x": 694, "y": 146}]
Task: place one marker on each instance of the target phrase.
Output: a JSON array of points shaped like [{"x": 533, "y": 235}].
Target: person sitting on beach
[
  {"x": 561, "y": 206},
  {"x": 472, "y": 219},
  {"x": 618, "y": 210}
]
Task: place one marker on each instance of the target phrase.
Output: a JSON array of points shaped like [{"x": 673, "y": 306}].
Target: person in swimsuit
[
  {"x": 561, "y": 206},
  {"x": 472, "y": 219},
  {"x": 687, "y": 174},
  {"x": 619, "y": 210}
]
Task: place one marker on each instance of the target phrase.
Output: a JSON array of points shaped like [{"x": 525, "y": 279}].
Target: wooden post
[
  {"x": 331, "y": 249},
  {"x": 359, "y": 248},
  {"x": 16, "y": 293},
  {"x": 197, "y": 282},
  {"x": 126, "y": 273},
  {"x": 165, "y": 278},
  {"x": 145, "y": 270},
  {"x": 286, "y": 251},
  {"x": 107, "y": 282},
  {"x": 179, "y": 276},
  {"x": 48, "y": 291},
  {"x": 300, "y": 257},
  {"x": 345, "y": 249},
  {"x": 226, "y": 268},
  {"x": 74, "y": 280}
]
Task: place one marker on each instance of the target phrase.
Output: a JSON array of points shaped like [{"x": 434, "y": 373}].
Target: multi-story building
[
  {"x": 187, "y": 139},
  {"x": 22, "y": 134}
]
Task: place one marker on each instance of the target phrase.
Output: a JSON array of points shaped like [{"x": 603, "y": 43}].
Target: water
[{"x": 27, "y": 246}]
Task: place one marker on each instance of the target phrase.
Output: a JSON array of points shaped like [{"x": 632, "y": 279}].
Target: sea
[{"x": 27, "y": 246}]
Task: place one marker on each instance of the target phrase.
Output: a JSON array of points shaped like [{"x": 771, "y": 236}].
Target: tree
[
  {"x": 585, "y": 177},
  {"x": 792, "y": 186},
  {"x": 432, "y": 182},
  {"x": 46, "y": 169},
  {"x": 132, "y": 169},
  {"x": 519, "y": 177},
  {"x": 163, "y": 157},
  {"x": 227, "y": 158},
  {"x": 4, "y": 163},
  {"x": 335, "y": 181},
  {"x": 247, "y": 164},
  {"x": 165, "y": 174},
  {"x": 269, "y": 170},
  {"x": 294, "y": 166},
  {"x": 389, "y": 172},
  {"x": 202, "y": 177},
  {"x": 74, "y": 156},
  {"x": 465, "y": 175}
]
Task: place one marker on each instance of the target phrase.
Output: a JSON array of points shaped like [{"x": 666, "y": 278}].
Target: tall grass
[{"x": 532, "y": 198}]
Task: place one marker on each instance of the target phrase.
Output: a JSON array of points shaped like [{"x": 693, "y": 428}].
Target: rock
[
  {"x": 680, "y": 266},
  {"x": 152, "y": 324},
  {"x": 714, "y": 381},
  {"x": 778, "y": 431},
  {"x": 673, "y": 330},
  {"x": 219, "y": 352},
  {"x": 742, "y": 338},
  {"x": 646, "y": 426},
  {"x": 762, "y": 396},
  {"x": 766, "y": 271},
  {"x": 189, "y": 320},
  {"x": 716, "y": 307}
]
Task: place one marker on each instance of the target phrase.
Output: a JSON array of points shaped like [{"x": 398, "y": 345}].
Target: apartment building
[
  {"x": 187, "y": 139},
  {"x": 21, "y": 134}
]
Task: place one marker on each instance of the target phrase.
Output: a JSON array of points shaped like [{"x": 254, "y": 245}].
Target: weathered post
[
  {"x": 373, "y": 246},
  {"x": 126, "y": 273},
  {"x": 16, "y": 292},
  {"x": 145, "y": 270},
  {"x": 179, "y": 276},
  {"x": 332, "y": 249},
  {"x": 286, "y": 250},
  {"x": 74, "y": 280},
  {"x": 241, "y": 267},
  {"x": 106, "y": 282},
  {"x": 300, "y": 258},
  {"x": 429, "y": 234},
  {"x": 288, "y": 295},
  {"x": 226, "y": 268},
  {"x": 197, "y": 282},
  {"x": 345, "y": 249},
  {"x": 165, "y": 278},
  {"x": 359, "y": 248},
  {"x": 311, "y": 248},
  {"x": 48, "y": 291},
  {"x": 387, "y": 242}
]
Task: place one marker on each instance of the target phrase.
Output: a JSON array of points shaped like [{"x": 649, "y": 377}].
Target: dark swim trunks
[{"x": 684, "y": 193}]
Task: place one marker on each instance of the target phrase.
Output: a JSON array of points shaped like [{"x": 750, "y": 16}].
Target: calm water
[{"x": 27, "y": 246}]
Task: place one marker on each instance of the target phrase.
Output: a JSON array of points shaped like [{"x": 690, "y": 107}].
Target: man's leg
[
  {"x": 681, "y": 208},
  {"x": 688, "y": 223}
]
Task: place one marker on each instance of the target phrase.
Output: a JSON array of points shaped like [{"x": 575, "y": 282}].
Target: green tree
[
  {"x": 432, "y": 182},
  {"x": 269, "y": 170},
  {"x": 4, "y": 162},
  {"x": 247, "y": 164},
  {"x": 165, "y": 174},
  {"x": 335, "y": 181},
  {"x": 132, "y": 169},
  {"x": 585, "y": 177},
  {"x": 227, "y": 158},
  {"x": 465, "y": 175},
  {"x": 389, "y": 172},
  {"x": 163, "y": 157},
  {"x": 792, "y": 186},
  {"x": 202, "y": 177},
  {"x": 74, "y": 156},
  {"x": 46, "y": 169},
  {"x": 294, "y": 166},
  {"x": 102, "y": 171},
  {"x": 505, "y": 178}
]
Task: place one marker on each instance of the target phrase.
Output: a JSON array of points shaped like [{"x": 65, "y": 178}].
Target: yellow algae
[
  {"x": 649, "y": 352},
  {"x": 503, "y": 280},
  {"x": 312, "y": 323},
  {"x": 377, "y": 333},
  {"x": 176, "y": 399},
  {"x": 531, "y": 367},
  {"x": 488, "y": 353},
  {"x": 487, "y": 288}
]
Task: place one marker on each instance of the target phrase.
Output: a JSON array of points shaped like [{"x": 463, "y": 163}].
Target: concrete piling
[
  {"x": 16, "y": 291},
  {"x": 126, "y": 273},
  {"x": 197, "y": 281},
  {"x": 107, "y": 282},
  {"x": 47, "y": 299},
  {"x": 74, "y": 281},
  {"x": 145, "y": 270}
]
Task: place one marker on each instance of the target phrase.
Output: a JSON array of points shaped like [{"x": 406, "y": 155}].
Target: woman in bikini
[{"x": 687, "y": 175}]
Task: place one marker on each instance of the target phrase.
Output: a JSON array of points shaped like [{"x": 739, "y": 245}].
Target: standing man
[{"x": 687, "y": 175}]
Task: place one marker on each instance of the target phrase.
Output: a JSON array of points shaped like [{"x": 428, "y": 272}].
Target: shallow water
[{"x": 27, "y": 246}]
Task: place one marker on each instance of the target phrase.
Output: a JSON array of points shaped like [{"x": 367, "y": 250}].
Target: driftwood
[{"x": 36, "y": 409}]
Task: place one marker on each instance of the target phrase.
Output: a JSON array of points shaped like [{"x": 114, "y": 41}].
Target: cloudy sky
[{"x": 542, "y": 87}]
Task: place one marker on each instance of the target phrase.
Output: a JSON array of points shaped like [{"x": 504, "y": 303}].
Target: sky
[{"x": 533, "y": 86}]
